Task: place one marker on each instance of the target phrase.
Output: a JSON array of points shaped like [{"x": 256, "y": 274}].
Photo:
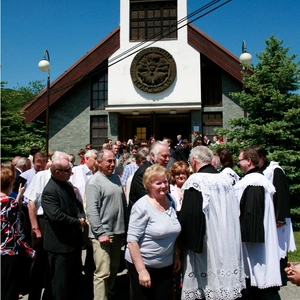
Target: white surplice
[{"x": 217, "y": 272}]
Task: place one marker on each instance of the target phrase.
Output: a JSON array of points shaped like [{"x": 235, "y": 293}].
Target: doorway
[{"x": 157, "y": 125}]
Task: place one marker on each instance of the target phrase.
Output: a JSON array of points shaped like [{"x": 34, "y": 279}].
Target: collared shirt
[
  {"x": 79, "y": 178},
  {"x": 28, "y": 176},
  {"x": 35, "y": 189},
  {"x": 128, "y": 171}
]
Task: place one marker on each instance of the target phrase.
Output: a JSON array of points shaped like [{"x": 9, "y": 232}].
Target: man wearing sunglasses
[{"x": 62, "y": 237}]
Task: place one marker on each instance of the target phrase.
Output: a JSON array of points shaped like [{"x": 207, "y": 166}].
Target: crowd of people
[{"x": 191, "y": 227}]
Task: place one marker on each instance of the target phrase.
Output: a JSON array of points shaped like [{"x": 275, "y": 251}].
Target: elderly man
[
  {"x": 39, "y": 268},
  {"x": 158, "y": 154},
  {"x": 210, "y": 232},
  {"x": 62, "y": 238},
  {"x": 258, "y": 229},
  {"x": 106, "y": 214},
  {"x": 115, "y": 149},
  {"x": 81, "y": 173},
  {"x": 79, "y": 178},
  {"x": 23, "y": 164}
]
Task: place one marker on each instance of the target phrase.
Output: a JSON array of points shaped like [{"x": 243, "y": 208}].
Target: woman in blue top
[{"x": 153, "y": 230}]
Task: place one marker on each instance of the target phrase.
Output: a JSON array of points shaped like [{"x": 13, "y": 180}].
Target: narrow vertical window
[
  {"x": 141, "y": 133},
  {"x": 99, "y": 131},
  {"x": 99, "y": 92},
  {"x": 211, "y": 83}
]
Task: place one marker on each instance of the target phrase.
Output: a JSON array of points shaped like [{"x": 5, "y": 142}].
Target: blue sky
[{"x": 70, "y": 28}]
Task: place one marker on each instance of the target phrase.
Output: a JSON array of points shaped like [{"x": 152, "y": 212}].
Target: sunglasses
[{"x": 66, "y": 170}]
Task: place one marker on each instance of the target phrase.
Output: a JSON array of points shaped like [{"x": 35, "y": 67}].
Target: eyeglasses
[
  {"x": 66, "y": 170},
  {"x": 241, "y": 159}
]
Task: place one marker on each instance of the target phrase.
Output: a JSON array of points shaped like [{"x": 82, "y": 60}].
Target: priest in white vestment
[
  {"x": 213, "y": 265},
  {"x": 258, "y": 229}
]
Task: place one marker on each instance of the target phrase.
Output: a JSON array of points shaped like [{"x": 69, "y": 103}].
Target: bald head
[{"x": 61, "y": 169}]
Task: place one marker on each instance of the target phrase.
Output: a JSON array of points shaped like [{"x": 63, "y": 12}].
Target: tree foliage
[
  {"x": 273, "y": 110},
  {"x": 17, "y": 137}
]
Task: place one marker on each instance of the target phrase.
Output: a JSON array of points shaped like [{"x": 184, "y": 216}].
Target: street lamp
[
  {"x": 44, "y": 66},
  {"x": 245, "y": 59}
]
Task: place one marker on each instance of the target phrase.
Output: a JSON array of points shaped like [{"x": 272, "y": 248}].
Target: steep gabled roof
[
  {"x": 97, "y": 55},
  {"x": 214, "y": 51},
  {"x": 76, "y": 73}
]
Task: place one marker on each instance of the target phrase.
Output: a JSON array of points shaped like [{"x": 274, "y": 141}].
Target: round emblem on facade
[{"x": 153, "y": 70}]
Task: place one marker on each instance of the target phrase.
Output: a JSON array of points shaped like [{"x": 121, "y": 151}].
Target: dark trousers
[
  {"x": 39, "y": 275},
  {"x": 283, "y": 265},
  {"x": 10, "y": 277},
  {"x": 65, "y": 274},
  {"x": 39, "y": 272},
  {"x": 254, "y": 293},
  {"x": 161, "y": 283}
]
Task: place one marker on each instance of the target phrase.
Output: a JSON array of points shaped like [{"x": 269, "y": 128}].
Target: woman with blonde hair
[{"x": 153, "y": 230}]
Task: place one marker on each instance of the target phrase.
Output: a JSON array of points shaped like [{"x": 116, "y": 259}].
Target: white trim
[{"x": 157, "y": 109}]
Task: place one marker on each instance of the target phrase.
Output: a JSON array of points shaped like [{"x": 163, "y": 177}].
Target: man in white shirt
[
  {"x": 39, "y": 164},
  {"x": 82, "y": 173},
  {"x": 79, "y": 178}
]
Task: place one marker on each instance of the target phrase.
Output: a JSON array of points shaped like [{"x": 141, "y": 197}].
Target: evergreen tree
[
  {"x": 273, "y": 110},
  {"x": 17, "y": 137}
]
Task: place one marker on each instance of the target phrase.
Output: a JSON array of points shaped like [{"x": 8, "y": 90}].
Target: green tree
[
  {"x": 16, "y": 136},
  {"x": 273, "y": 110}
]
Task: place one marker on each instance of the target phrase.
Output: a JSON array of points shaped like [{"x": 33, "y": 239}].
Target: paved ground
[{"x": 289, "y": 292}]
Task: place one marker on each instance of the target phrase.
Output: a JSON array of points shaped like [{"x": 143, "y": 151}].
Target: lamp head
[
  {"x": 246, "y": 58},
  {"x": 44, "y": 65}
]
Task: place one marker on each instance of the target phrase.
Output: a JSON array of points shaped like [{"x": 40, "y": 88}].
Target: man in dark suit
[
  {"x": 183, "y": 151},
  {"x": 159, "y": 154},
  {"x": 62, "y": 237},
  {"x": 206, "y": 140},
  {"x": 198, "y": 137},
  {"x": 172, "y": 151},
  {"x": 21, "y": 165}
]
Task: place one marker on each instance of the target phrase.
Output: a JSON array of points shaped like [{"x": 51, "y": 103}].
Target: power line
[{"x": 167, "y": 31}]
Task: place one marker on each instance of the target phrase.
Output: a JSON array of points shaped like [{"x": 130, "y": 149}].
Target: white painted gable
[{"x": 186, "y": 87}]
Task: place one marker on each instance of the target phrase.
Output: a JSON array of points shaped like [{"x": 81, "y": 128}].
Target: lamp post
[
  {"x": 44, "y": 66},
  {"x": 245, "y": 59}
]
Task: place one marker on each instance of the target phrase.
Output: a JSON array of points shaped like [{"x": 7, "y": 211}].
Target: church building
[{"x": 154, "y": 75}]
